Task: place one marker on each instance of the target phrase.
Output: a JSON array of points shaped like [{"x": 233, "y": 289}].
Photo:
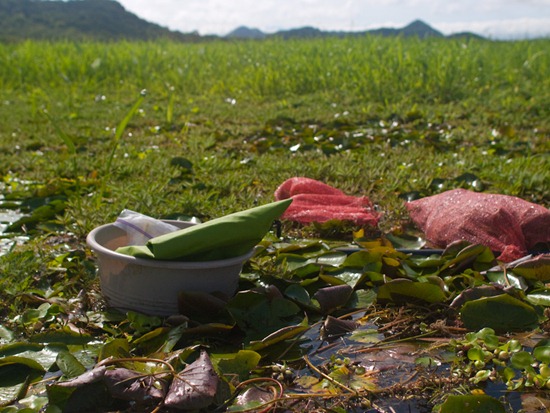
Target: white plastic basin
[{"x": 152, "y": 286}]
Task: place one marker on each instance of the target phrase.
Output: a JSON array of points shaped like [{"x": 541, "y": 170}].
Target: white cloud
[
  {"x": 501, "y": 29},
  {"x": 495, "y": 18}
]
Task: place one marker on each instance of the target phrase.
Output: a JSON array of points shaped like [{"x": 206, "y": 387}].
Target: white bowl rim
[{"x": 97, "y": 247}]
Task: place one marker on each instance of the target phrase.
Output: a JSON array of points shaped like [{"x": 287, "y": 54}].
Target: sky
[{"x": 497, "y": 19}]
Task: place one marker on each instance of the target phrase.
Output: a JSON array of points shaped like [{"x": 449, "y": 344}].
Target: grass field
[{"x": 167, "y": 129}]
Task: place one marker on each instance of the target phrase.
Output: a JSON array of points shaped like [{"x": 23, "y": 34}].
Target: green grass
[{"x": 448, "y": 100}]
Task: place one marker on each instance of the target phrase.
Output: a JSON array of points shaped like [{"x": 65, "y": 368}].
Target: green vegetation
[
  {"x": 104, "y": 20},
  {"x": 180, "y": 130}
]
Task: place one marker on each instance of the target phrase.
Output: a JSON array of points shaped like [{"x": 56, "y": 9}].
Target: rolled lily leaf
[
  {"x": 537, "y": 268},
  {"x": 226, "y": 237}
]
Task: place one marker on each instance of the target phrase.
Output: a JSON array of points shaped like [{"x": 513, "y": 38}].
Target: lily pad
[
  {"x": 481, "y": 403},
  {"x": 403, "y": 290},
  {"x": 537, "y": 268},
  {"x": 501, "y": 313}
]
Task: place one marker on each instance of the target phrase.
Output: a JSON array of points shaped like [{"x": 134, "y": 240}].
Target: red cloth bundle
[
  {"x": 506, "y": 224},
  {"x": 314, "y": 201}
]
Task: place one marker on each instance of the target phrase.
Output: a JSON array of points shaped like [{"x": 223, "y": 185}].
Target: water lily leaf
[
  {"x": 279, "y": 336},
  {"x": 195, "y": 387},
  {"x": 332, "y": 258},
  {"x": 258, "y": 316},
  {"x": 470, "y": 181},
  {"x": 299, "y": 294},
  {"x": 406, "y": 241},
  {"x": 91, "y": 376},
  {"x": 117, "y": 348},
  {"x": 8, "y": 364},
  {"x": 481, "y": 403},
  {"x": 540, "y": 296},
  {"x": 542, "y": 351},
  {"x": 5, "y": 334},
  {"x": 521, "y": 360},
  {"x": 252, "y": 399},
  {"x": 10, "y": 393},
  {"x": 335, "y": 327},
  {"x": 240, "y": 363},
  {"x": 403, "y": 290},
  {"x": 501, "y": 313},
  {"x": 476, "y": 293},
  {"x": 15, "y": 375},
  {"x": 352, "y": 380},
  {"x": 152, "y": 341},
  {"x": 537, "y": 268},
  {"x": 129, "y": 385},
  {"x": 91, "y": 397},
  {"x": 505, "y": 279},
  {"x": 69, "y": 365},
  {"x": 333, "y": 297},
  {"x": 477, "y": 256},
  {"x": 364, "y": 259},
  {"x": 18, "y": 348},
  {"x": 64, "y": 335},
  {"x": 202, "y": 307}
]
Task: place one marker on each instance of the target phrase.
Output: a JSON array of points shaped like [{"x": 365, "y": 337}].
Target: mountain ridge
[{"x": 108, "y": 20}]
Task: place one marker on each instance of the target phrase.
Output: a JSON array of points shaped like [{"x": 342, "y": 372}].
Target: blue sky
[{"x": 499, "y": 19}]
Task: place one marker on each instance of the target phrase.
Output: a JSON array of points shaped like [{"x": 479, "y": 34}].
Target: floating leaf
[
  {"x": 280, "y": 335},
  {"x": 91, "y": 376},
  {"x": 252, "y": 399},
  {"x": 117, "y": 348},
  {"x": 69, "y": 365},
  {"x": 331, "y": 298},
  {"x": 240, "y": 363},
  {"x": 195, "y": 387},
  {"x": 476, "y": 293},
  {"x": 542, "y": 351},
  {"x": 539, "y": 297},
  {"x": 403, "y": 290},
  {"x": 501, "y": 313},
  {"x": 537, "y": 268},
  {"x": 64, "y": 335},
  {"x": 258, "y": 315},
  {"x": 129, "y": 385},
  {"x": 334, "y": 327},
  {"x": 472, "y": 404}
]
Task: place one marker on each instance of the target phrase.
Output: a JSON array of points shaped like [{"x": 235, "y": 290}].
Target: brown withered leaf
[
  {"x": 130, "y": 385},
  {"x": 195, "y": 387}
]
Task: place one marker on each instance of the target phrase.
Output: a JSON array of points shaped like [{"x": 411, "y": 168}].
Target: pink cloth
[
  {"x": 506, "y": 224},
  {"x": 314, "y": 201}
]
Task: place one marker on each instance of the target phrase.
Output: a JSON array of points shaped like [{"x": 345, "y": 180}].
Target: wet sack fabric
[
  {"x": 315, "y": 201},
  {"x": 508, "y": 225}
]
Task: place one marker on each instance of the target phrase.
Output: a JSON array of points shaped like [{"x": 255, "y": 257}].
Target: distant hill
[
  {"x": 107, "y": 20},
  {"x": 244, "y": 32},
  {"x": 81, "y": 19},
  {"x": 415, "y": 29}
]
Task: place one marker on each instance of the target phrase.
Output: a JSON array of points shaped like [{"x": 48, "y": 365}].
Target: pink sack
[
  {"x": 506, "y": 224},
  {"x": 314, "y": 201}
]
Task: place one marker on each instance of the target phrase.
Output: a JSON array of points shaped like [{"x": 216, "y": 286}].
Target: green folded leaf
[{"x": 226, "y": 237}]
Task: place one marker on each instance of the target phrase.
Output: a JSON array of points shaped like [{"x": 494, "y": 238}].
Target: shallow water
[{"x": 7, "y": 240}]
